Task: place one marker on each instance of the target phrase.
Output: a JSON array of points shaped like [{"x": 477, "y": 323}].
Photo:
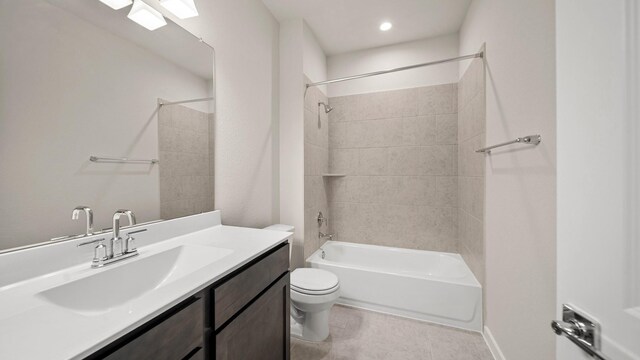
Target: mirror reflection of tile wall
[{"x": 186, "y": 174}]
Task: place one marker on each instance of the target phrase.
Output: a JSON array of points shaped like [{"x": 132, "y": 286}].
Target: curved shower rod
[{"x": 382, "y": 72}]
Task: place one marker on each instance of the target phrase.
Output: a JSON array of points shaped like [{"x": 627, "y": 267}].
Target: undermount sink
[{"x": 115, "y": 286}]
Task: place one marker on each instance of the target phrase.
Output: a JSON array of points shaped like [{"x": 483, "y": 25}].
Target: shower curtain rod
[{"x": 382, "y": 72}]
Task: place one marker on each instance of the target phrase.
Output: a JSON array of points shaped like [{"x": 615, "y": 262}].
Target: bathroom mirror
[{"x": 78, "y": 79}]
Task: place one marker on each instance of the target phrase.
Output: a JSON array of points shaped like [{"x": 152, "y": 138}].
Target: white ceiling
[{"x": 349, "y": 25}]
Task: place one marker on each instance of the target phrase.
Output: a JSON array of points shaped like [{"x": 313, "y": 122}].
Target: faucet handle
[
  {"x": 129, "y": 243},
  {"x": 321, "y": 219},
  {"x": 99, "y": 252}
]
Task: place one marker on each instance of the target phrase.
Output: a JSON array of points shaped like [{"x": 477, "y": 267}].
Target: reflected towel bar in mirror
[
  {"x": 122, "y": 160},
  {"x": 531, "y": 139}
]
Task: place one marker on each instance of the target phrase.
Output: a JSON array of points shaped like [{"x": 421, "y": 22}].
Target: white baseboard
[{"x": 492, "y": 344}]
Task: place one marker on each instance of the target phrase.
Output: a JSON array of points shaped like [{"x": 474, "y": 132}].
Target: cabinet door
[{"x": 261, "y": 331}]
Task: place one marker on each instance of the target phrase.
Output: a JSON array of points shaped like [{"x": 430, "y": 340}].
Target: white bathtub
[{"x": 425, "y": 285}]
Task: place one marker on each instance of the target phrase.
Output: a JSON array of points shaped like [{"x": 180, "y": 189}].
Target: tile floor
[{"x": 360, "y": 334}]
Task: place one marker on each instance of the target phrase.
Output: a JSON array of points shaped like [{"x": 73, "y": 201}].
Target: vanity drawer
[
  {"x": 232, "y": 295},
  {"x": 173, "y": 338}
]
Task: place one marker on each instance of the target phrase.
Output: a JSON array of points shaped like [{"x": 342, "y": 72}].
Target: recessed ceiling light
[
  {"x": 385, "y": 26},
  {"x": 181, "y": 8},
  {"x": 146, "y": 16},
  {"x": 117, "y": 4}
]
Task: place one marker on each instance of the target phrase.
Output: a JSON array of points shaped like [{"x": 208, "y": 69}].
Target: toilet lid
[{"x": 313, "y": 281}]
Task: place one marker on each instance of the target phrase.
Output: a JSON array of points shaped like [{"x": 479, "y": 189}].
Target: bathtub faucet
[{"x": 323, "y": 236}]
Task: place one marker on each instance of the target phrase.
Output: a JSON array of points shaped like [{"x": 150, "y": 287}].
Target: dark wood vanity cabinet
[
  {"x": 243, "y": 316},
  {"x": 261, "y": 331}
]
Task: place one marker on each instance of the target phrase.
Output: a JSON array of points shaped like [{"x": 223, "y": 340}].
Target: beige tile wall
[
  {"x": 186, "y": 161},
  {"x": 316, "y": 163},
  {"x": 471, "y": 134},
  {"x": 399, "y": 151}
]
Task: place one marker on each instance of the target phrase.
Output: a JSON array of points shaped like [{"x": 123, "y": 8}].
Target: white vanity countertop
[{"x": 34, "y": 328}]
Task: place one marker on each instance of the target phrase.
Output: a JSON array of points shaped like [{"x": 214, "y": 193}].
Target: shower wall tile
[
  {"x": 316, "y": 163},
  {"x": 472, "y": 163},
  {"x": 446, "y": 191},
  {"x": 373, "y": 161},
  {"x": 399, "y": 152},
  {"x": 316, "y": 160},
  {"x": 438, "y": 227},
  {"x": 447, "y": 129},
  {"x": 418, "y": 130},
  {"x": 405, "y": 161},
  {"x": 456, "y": 155},
  {"x": 337, "y": 134},
  {"x": 471, "y": 167},
  {"x": 439, "y": 99},
  {"x": 437, "y": 160},
  {"x": 186, "y": 161},
  {"x": 311, "y": 240},
  {"x": 343, "y": 161},
  {"x": 410, "y": 190},
  {"x": 471, "y": 189},
  {"x": 337, "y": 189},
  {"x": 345, "y": 108},
  {"x": 373, "y": 133},
  {"x": 472, "y": 243},
  {"x": 388, "y": 104}
]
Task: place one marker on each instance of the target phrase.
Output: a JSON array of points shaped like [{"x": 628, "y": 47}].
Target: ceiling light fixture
[
  {"x": 146, "y": 16},
  {"x": 385, "y": 26},
  {"x": 117, "y": 4},
  {"x": 181, "y": 8}
]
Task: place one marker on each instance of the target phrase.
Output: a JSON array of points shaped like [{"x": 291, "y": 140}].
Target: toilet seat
[
  {"x": 314, "y": 292},
  {"x": 314, "y": 281}
]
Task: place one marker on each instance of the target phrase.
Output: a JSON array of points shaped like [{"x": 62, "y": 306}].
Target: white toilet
[{"x": 313, "y": 293}]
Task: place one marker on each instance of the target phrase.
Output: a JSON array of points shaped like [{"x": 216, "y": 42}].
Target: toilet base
[
  {"x": 296, "y": 328},
  {"x": 311, "y": 326}
]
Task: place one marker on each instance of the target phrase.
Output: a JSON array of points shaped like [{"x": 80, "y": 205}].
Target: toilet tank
[{"x": 287, "y": 228}]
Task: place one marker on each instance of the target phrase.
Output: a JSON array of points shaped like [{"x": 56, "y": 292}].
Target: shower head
[{"x": 327, "y": 108}]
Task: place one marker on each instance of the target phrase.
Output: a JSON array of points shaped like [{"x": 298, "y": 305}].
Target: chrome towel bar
[
  {"x": 122, "y": 160},
  {"x": 531, "y": 139}
]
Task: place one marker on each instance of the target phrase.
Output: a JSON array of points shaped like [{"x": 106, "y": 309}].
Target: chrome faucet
[
  {"x": 117, "y": 246},
  {"x": 88, "y": 213},
  {"x": 104, "y": 255}
]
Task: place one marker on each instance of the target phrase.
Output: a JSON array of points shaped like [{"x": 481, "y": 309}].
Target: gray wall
[{"x": 398, "y": 150}]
